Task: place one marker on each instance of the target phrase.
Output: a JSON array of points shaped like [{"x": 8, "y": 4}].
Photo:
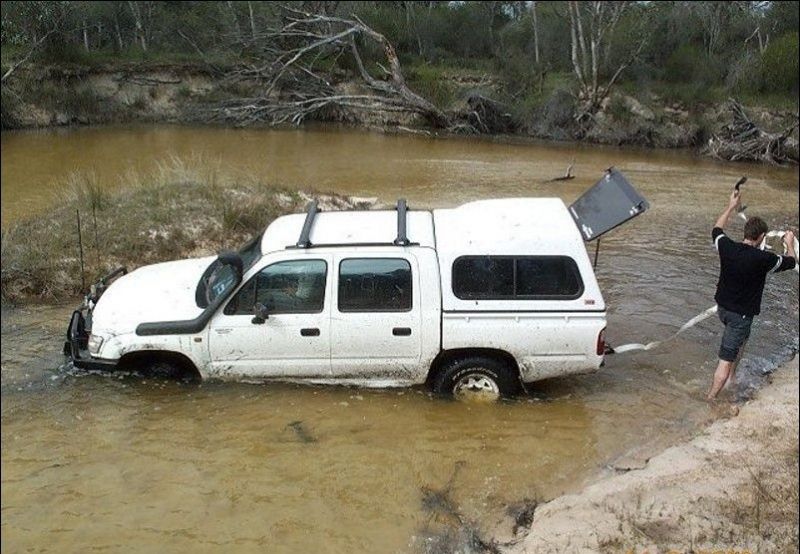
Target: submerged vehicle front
[{"x": 147, "y": 309}]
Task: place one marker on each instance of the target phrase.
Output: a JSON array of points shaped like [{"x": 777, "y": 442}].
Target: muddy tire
[
  {"x": 164, "y": 369},
  {"x": 476, "y": 377}
]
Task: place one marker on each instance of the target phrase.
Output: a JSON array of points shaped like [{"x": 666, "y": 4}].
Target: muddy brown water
[{"x": 121, "y": 463}]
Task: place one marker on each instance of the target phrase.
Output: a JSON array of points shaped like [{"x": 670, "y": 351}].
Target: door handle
[
  {"x": 401, "y": 331},
  {"x": 309, "y": 332}
]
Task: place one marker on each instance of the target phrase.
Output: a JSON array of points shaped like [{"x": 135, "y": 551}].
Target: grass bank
[{"x": 180, "y": 211}]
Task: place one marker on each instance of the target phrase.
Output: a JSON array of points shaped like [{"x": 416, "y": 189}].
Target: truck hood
[{"x": 158, "y": 292}]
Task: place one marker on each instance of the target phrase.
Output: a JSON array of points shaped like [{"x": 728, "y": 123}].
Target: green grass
[
  {"x": 432, "y": 82},
  {"x": 526, "y": 105},
  {"x": 696, "y": 95},
  {"x": 780, "y": 102},
  {"x": 79, "y": 56},
  {"x": 181, "y": 210}
]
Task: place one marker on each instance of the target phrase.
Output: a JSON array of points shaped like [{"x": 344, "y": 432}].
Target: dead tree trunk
[
  {"x": 743, "y": 140},
  {"x": 293, "y": 89}
]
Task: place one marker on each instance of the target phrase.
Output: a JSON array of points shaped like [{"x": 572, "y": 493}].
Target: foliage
[
  {"x": 691, "y": 51},
  {"x": 431, "y": 82},
  {"x": 691, "y": 64},
  {"x": 780, "y": 65}
]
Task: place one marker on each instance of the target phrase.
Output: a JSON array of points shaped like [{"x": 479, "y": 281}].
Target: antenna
[{"x": 80, "y": 249}]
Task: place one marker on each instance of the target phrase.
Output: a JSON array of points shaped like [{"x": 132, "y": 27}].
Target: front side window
[
  {"x": 516, "y": 277},
  {"x": 296, "y": 286},
  {"x": 375, "y": 285}
]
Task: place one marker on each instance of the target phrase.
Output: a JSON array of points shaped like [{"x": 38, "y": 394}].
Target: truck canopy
[{"x": 515, "y": 228}]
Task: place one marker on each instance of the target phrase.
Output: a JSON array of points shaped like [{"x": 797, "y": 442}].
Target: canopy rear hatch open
[{"x": 608, "y": 204}]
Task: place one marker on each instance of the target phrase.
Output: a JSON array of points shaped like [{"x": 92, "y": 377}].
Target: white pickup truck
[{"x": 475, "y": 299}]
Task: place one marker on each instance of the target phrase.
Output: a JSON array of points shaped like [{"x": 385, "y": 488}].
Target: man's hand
[
  {"x": 788, "y": 240},
  {"x": 735, "y": 200}
]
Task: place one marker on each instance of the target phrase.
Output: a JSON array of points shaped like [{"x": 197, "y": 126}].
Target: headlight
[{"x": 95, "y": 342}]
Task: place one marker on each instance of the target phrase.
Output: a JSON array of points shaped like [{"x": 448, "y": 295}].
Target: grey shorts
[{"x": 737, "y": 329}]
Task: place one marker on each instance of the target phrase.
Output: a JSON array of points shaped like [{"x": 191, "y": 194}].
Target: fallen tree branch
[
  {"x": 34, "y": 47},
  {"x": 293, "y": 87},
  {"x": 743, "y": 140}
]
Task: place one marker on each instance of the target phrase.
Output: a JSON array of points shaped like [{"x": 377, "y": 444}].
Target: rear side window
[
  {"x": 374, "y": 285},
  {"x": 516, "y": 277}
]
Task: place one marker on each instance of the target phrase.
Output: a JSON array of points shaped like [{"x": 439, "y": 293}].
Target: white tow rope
[{"x": 702, "y": 316}]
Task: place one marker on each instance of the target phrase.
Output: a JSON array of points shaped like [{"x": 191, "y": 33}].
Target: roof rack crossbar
[
  {"x": 305, "y": 233},
  {"x": 348, "y": 244},
  {"x": 402, "y": 239}
]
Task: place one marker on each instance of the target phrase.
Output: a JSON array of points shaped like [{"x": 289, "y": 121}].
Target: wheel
[
  {"x": 164, "y": 369},
  {"x": 476, "y": 377}
]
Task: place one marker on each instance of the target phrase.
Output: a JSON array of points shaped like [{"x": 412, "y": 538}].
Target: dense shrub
[
  {"x": 431, "y": 83},
  {"x": 691, "y": 64},
  {"x": 779, "y": 65}
]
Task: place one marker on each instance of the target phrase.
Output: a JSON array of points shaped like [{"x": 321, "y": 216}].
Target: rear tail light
[{"x": 601, "y": 343}]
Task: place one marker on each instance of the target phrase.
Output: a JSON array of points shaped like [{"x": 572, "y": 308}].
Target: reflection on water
[{"x": 115, "y": 461}]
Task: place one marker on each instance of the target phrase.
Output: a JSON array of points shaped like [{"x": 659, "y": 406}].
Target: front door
[
  {"x": 294, "y": 340},
  {"x": 376, "y": 321}
]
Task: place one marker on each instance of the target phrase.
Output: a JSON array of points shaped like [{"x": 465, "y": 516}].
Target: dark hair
[{"x": 754, "y": 228}]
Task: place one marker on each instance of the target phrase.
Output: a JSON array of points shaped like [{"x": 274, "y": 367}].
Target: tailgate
[{"x": 608, "y": 204}]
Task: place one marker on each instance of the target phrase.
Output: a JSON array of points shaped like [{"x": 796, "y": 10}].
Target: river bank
[
  {"x": 191, "y": 93},
  {"x": 733, "y": 488}
]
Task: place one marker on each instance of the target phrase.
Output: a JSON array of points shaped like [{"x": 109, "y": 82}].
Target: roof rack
[
  {"x": 311, "y": 212},
  {"x": 402, "y": 239}
]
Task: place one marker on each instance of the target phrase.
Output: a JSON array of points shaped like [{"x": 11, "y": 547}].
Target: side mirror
[{"x": 260, "y": 313}]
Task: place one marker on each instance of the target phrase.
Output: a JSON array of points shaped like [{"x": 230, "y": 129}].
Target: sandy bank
[{"x": 734, "y": 488}]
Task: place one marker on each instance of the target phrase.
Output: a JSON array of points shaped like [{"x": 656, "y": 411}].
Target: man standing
[{"x": 743, "y": 271}]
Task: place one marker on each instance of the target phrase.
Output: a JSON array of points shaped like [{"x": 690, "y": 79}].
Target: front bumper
[{"x": 76, "y": 346}]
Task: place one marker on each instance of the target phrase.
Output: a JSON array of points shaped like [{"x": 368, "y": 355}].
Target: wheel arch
[
  {"x": 146, "y": 357},
  {"x": 446, "y": 356}
]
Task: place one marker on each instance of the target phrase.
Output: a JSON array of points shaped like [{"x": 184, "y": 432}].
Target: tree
[
  {"x": 142, "y": 12},
  {"x": 592, "y": 25}
]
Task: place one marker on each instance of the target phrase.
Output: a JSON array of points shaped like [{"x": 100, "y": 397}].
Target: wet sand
[{"x": 734, "y": 487}]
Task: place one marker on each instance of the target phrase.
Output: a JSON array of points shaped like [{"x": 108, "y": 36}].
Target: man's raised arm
[{"x": 733, "y": 204}]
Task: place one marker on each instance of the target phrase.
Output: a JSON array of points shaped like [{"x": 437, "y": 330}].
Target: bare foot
[{"x": 723, "y": 409}]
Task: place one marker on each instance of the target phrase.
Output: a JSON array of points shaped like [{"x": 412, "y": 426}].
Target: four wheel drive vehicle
[{"x": 477, "y": 298}]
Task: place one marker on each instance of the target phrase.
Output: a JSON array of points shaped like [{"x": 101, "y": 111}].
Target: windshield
[
  {"x": 251, "y": 252},
  {"x": 218, "y": 279}
]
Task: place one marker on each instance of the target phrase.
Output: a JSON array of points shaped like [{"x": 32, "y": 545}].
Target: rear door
[
  {"x": 608, "y": 204},
  {"x": 376, "y": 316}
]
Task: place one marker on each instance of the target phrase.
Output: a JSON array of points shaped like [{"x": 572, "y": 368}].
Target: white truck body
[
  {"x": 503, "y": 279},
  {"x": 547, "y": 337}
]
